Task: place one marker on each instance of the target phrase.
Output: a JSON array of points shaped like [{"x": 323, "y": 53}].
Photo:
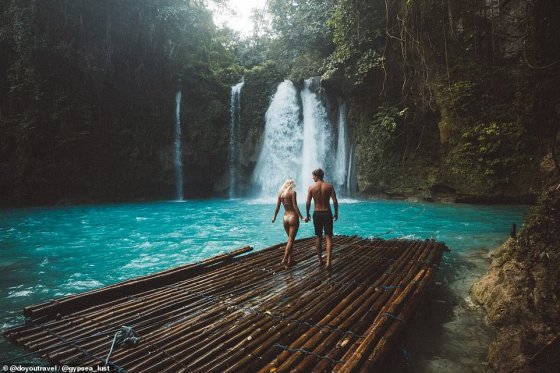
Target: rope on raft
[
  {"x": 126, "y": 336},
  {"x": 83, "y": 351},
  {"x": 310, "y": 353}
]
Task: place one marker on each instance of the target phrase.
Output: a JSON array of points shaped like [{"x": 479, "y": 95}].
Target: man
[{"x": 322, "y": 192}]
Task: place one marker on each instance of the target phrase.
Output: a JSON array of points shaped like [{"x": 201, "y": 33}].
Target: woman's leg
[
  {"x": 286, "y": 224},
  {"x": 290, "y": 244}
]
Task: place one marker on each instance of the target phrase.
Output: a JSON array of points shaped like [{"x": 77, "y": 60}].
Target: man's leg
[
  {"x": 318, "y": 226},
  {"x": 328, "y": 235},
  {"x": 319, "y": 248},
  {"x": 328, "y": 238}
]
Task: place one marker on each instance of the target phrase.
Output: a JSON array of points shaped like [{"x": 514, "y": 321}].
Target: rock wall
[
  {"x": 521, "y": 293},
  {"x": 459, "y": 118},
  {"x": 205, "y": 124}
]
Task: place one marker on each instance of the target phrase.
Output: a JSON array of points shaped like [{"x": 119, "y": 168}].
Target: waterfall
[
  {"x": 235, "y": 121},
  {"x": 340, "y": 169},
  {"x": 299, "y": 138},
  {"x": 317, "y": 136},
  {"x": 178, "y": 152},
  {"x": 280, "y": 157}
]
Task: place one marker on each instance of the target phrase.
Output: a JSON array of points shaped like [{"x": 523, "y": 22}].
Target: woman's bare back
[{"x": 291, "y": 211}]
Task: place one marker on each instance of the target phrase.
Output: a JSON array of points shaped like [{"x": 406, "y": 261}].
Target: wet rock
[{"x": 521, "y": 290}]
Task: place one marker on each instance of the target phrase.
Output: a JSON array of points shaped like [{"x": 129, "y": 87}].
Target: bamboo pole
[
  {"x": 35, "y": 336},
  {"x": 332, "y": 337},
  {"x": 171, "y": 337},
  {"x": 386, "y": 340},
  {"x": 236, "y": 347},
  {"x": 339, "y": 349},
  {"x": 311, "y": 344},
  {"x": 15, "y": 330},
  {"x": 379, "y": 325},
  {"x": 233, "y": 364},
  {"x": 297, "y": 344},
  {"x": 64, "y": 354},
  {"x": 319, "y": 305},
  {"x": 77, "y": 302}
]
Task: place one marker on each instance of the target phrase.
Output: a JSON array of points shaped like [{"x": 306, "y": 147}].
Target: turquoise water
[{"x": 53, "y": 252}]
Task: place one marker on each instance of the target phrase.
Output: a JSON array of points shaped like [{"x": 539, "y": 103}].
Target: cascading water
[
  {"x": 235, "y": 121},
  {"x": 178, "y": 151},
  {"x": 299, "y": 138},
  {"x": 340, "y": 171},
  {"x": 317, "y": 136},
  {"x": 280, "y": 157}
]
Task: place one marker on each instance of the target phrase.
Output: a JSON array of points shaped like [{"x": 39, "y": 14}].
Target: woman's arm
[{"x": 277, "y": 209}]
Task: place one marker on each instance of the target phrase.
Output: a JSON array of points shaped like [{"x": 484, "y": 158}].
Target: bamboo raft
[{"x": 244, "y": 313}]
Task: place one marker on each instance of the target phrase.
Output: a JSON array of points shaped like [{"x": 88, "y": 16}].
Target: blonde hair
[{"x": 288, "y": 185}]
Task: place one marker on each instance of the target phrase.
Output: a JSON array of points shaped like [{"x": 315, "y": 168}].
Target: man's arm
[
  {"x": 308, "y": 205},
  {"x": 335, "y": 204}
]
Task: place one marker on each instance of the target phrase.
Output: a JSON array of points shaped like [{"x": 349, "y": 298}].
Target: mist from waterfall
[
  {"x": 178, "y": 150},
  {"x": 299, "y": 138},
  {"x": 235, "y": 122}
]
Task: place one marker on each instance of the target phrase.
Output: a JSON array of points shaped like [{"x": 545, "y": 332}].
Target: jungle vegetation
[{"x": 445, "y": 97}]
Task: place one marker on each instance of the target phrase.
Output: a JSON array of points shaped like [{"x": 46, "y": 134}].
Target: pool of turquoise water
[{"x": 56, "y": 251}]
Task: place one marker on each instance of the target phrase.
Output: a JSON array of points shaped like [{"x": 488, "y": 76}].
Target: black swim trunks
[{"x": 323, "y": 221}]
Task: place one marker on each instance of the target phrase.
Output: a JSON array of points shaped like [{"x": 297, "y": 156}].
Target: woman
[{"x": 287, "y": 196}]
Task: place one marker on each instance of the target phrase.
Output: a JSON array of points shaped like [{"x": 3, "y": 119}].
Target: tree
[{"x": 301, "y": 39}]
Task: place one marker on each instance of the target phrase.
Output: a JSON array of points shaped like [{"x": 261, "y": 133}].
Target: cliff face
[
  {"x": 87, "y": 101},
  {"x": 521, "y": 293},
  {"x": 204, "y": 120},
  {"x": 462, "y": 113}
]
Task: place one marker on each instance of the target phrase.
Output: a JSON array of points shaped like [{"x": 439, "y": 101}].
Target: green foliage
[
  {"x": 260, "y": 84},
  {"x": 359, "y": 38},
  {"x": 384, "y": 124},
  {"x": 480, "y": 93},
  {"x": 376, "y": 137},
  {"x": 460, "y": 96},
  {"x": 540, "y": 235},
  {"x": 87, "y": 94},
  {"x": 300, "y": 39},
  {"x": 86, "y": 84},
  {"x": 489, "y": 157}
]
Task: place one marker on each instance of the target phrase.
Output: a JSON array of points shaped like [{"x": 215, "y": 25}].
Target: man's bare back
[{"x": 322, "y": 192}]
